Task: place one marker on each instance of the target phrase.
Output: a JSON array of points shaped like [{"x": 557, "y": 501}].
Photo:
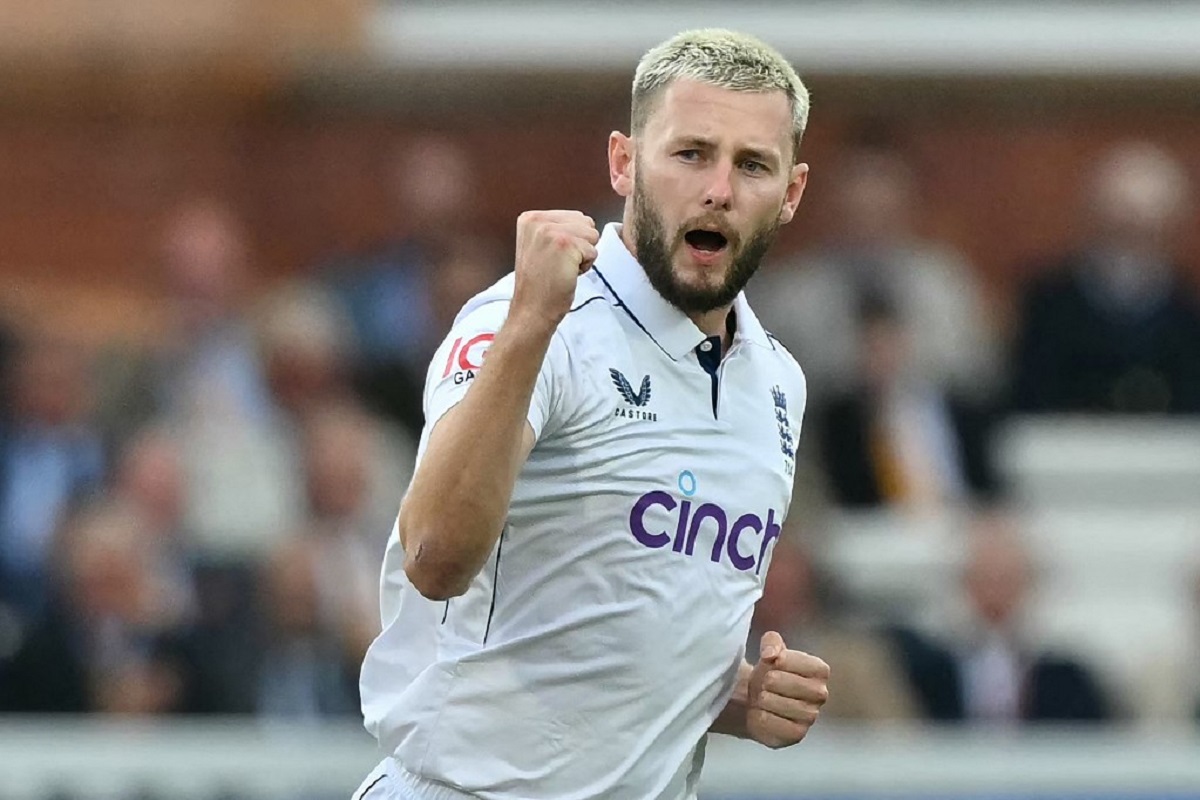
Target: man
[
  {"x": 874, "y": 253},
  {"x": 990, "y": 671},
  {"x": 1113, "y": 327},
  {"x": 897, "y": 438},
  {"x": 566, "y": 600}
]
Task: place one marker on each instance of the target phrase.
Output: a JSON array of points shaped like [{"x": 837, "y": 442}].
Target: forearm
[
  {"x": 456, "y": 504},
  {"x": 732, "y": 719}
]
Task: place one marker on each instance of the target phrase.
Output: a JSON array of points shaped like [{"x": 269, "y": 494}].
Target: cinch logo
[
  {"x": 467, "y": 357},
  {"x": 742, "y": 541}
]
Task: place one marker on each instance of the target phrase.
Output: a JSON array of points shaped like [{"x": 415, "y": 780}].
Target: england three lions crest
[{"x": 787, "y": 442}]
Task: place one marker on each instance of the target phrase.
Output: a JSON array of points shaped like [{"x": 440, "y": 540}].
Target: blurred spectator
[
  {"x": 866, "y": 678},
  {"x": 249, "y": 482},
  {"x": 465, "y": 267},
  {"x": 990, "y": 672},
  {"x": 245, "y": 476},
  {"x": 279, "y": 635},
  {"x": 431, "y": 183},
  {"x": 385, "y": 290},
  {"x": 342, "y": 464},
  {"x": 812, "y": 305},
  {"x": 461, "y": 268},
  {"x": 49, "y": 458},
  {"x": 106, "y": 643},
  {"x": 149, "y": 480},
  {"x": 401, "y": 297},
  {"x": 307, "y": 347},
  {"x": 276, "y": 650},
  {"x": 897, "y": 438},
  {"x": 205, "y": 364},
  {"x": 308, "y": 667},
  {"x": 1112, "y": 327},
  {"x": 214, "y": 367}
]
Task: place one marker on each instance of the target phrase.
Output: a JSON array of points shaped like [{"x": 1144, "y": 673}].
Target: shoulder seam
[
  {"x": 780, "y": 348},
  {"x": 585, "y": 302}
]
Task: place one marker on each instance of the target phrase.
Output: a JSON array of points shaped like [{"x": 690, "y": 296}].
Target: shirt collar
[
  {"x": 669, "y": 327},
  {"x": 748, "y": 326}
]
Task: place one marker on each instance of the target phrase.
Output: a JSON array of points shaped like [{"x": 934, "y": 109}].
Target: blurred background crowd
[{"x": 221, "y": 289}]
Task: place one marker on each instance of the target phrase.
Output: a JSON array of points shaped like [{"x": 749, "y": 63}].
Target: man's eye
[
  {"x": 688, "y": 155},
  {"x": 754, "y": 166}
]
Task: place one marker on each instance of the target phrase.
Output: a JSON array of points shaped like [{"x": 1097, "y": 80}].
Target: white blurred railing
[
  {"x": 96, "y": 760},
  {"x": 898, "y": 37},
  {"x": 1103, "y": 463}
]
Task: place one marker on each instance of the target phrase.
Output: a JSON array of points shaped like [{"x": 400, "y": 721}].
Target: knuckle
[
  {"x": 787, "y": 738},
  {"x": 822, "y": 694}
]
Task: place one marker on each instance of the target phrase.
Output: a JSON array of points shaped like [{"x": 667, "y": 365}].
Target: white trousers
[{"x": 389, "y": 781}]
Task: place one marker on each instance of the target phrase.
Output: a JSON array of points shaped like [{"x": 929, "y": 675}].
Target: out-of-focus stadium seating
[
  {"x": 290, "y": 117},
  {"x": 1111, "y": 512}
]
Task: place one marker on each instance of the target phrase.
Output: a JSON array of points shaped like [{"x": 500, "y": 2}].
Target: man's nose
[{"x": 719, "y": 193}]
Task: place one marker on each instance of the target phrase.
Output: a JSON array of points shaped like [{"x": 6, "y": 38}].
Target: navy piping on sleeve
[
  {"x": 585, "y": 302},
  {"x": 374, "y": 783},
  {"x": 495, "y": 579}
]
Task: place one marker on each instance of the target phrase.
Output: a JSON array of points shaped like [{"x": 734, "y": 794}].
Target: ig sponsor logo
[
  {"x": 742, "y": 540},
  {"x": 466, "y": 357}
]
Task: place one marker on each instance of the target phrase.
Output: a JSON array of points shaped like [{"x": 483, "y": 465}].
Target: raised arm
[{"x": 455, "y": 507}]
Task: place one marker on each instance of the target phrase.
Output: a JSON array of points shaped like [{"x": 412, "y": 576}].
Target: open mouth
[{"x": 706, "y": 241}]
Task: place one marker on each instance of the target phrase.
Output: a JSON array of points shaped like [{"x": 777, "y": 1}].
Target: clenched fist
[
  {"x": 553, "y": 249},
  {"x": 787, "y": 690}
]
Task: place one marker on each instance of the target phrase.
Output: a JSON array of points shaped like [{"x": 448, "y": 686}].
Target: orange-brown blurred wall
[{"x": 95, "y": 150}]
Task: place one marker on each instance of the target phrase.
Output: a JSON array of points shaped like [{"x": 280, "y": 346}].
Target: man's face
[{"x": 712, "y": 181}]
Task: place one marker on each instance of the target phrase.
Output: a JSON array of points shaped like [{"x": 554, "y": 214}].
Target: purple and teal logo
[{"x": 742, "y": 540}]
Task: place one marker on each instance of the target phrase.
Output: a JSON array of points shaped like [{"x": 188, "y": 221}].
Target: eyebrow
[{"x": 755, "y": 153}]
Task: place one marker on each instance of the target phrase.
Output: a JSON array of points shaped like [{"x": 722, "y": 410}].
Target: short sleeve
[{"x": 457, "y": 361}]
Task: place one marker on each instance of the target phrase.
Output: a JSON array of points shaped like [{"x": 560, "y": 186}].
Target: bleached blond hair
[{"x": 721, "y": 58}]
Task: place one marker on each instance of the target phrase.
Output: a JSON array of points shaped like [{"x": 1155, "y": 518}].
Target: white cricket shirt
[{"x": 597, "y": 645}]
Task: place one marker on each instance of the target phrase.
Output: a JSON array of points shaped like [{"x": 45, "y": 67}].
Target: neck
[{"x": 714, "y": 323}]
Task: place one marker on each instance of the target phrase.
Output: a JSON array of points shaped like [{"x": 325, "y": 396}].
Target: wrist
[
  {"x": 734, "y": 718},
  {"x": 530, "y": 327}
]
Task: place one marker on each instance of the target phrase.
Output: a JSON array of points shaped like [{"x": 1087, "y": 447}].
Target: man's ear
[
  {"x": 621, "y": 161},
  {"x": 795, "y": 190}
]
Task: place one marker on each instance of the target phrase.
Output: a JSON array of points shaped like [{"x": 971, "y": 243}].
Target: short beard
[{"x": 654, "y": 254}]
